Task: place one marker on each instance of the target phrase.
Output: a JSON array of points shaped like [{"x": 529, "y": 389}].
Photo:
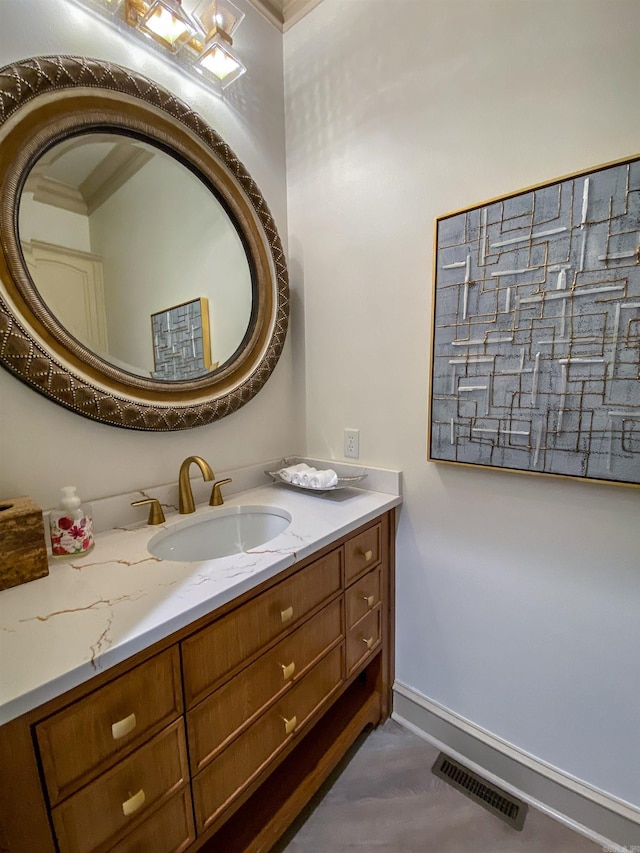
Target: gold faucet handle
[
  {"x": 216, "y": 494},
  {"x": 156, "y": 515}
]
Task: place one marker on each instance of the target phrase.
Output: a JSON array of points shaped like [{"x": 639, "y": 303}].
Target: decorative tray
[{"x": 344, "y": 482}]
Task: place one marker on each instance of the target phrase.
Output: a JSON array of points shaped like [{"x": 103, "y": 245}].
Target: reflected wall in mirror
[{"x": 119, "y": 204}]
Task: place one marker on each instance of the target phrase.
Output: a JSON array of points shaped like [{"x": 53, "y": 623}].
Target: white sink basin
[{"x": 220, "y": 533}]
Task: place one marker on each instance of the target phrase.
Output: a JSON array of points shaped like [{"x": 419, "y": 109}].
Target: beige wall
[
  {"x": 518, "y": 597},
  {"x": 43, "y": 446}
]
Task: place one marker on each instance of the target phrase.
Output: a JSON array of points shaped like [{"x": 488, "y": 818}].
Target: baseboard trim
[{"x": 610, "y": 822}]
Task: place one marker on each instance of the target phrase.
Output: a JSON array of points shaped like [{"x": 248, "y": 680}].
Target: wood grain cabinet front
[
  {"x": 364, "y": 638},
  {"x": 239, "y": 764},
  {"x": 363, "y": 596},
  {"x": 81, "y": 741},
  {"x": 169, "y": 830},
  {"x": 362, "y": 552},
  {"x": 276, "y": 689},
  {"x": 229, "y": 710},
  {"x": 115, "y": 802},
  {"x": 215, "y": 652}
]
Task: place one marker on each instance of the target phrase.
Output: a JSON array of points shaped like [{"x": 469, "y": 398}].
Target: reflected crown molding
[{"x": 105, "y": 178}]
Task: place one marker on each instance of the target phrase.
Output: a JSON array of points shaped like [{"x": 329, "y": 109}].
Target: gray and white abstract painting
[
  {"x": 536, "y": 348},
  {"x": 181, "y": 348}
]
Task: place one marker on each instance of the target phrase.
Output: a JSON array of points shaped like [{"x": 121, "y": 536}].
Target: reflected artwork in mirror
[{"x": 118, "y": 205}]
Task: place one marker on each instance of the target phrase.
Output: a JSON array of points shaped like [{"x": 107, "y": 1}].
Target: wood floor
[{"x": 385, "y": 799}]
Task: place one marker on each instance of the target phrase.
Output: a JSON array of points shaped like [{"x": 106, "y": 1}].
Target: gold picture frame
[{"x": 535, "y": 354}]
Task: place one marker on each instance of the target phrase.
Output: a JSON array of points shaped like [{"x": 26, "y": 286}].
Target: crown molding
[
  {"x": 295, "y": 10},
  {"x": 272, "y": 10},
  {"x": 283, "y": 14}
]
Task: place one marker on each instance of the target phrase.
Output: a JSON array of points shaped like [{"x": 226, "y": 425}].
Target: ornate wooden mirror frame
[{"x": 48, "y": 99}]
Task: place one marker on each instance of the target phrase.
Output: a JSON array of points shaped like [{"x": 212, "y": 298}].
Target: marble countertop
[{"x": 96, "y": 611}]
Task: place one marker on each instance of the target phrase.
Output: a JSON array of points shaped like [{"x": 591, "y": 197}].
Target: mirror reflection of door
[
  {"x": 70, "y": 282},
  {"x": 163, "y": 238}
]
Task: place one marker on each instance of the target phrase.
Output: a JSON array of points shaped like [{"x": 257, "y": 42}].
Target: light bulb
[
  {"x": 166, "y": 25},
  {"x": 218, "y": 63}
]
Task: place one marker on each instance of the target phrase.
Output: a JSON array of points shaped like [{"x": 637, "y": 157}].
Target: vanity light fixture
[
  {"x": 164, "y": 21},
  {"x": 199, "y": 40},
  {"x": 213, "y": 54},
  {"x": 219, "y": 60}
]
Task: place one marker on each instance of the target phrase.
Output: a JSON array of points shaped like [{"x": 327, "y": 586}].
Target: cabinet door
[
  {"x": 169, "y": 830},
  {"x": 82, "y": 740},
  {"x": 213, "y": 722},
  {"x": 118, "y": 799},
  {"x": 225, "y": 778},
  {"x": 363, "y": 639},
  {"x": 363, "y": 596},
  {"x": 362, "y": 552},
  {"x": 217, "y": 650}
]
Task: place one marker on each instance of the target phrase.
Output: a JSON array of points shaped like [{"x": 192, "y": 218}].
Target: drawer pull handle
[
  {"x": 369, "y": 599},
  {"x": 287, "y": 671},
  {"x": 289, "y": 725},
  {"x": 134, "y": 803},
  {"x": 123, "y": 727},
  {"x": 286, "y": 615},
  {"x": 368, "y": 643},
  {"x": 367, "y": 556}
]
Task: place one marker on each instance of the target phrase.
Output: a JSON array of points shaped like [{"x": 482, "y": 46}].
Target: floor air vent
[{"x": 494, "y": 799}]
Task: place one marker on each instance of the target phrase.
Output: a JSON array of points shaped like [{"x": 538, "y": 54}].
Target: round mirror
[{"x": 142, "y": 278}]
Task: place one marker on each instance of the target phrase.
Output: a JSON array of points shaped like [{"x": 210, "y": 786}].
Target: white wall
[
  {"x": 518, "y": 597},
  {"x": 193, "y": 243},
  {"x": 43, "y": 446},
  {"x": 50, "y": 224}
]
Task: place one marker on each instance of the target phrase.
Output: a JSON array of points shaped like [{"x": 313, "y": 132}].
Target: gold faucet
[{"x": 185, "y": 494}]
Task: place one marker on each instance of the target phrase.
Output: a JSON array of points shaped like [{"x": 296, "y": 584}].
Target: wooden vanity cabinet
[{"x": 215, "y": 738}]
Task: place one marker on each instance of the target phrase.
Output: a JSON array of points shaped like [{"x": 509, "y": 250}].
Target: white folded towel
[
  {"x": 301, "y": 478},
  {"x": 307, "y": 477},
  {"x": 293, "y": 471},
  {"x": 323, "y": 479}
]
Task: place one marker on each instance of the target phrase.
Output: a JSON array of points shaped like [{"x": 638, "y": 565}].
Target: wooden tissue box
[{"x": 23, "y": 549}]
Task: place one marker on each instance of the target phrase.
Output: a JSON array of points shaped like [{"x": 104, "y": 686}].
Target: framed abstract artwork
[
  {"x": 535, "y": 362},
  {"x": 181, "y": 341}
]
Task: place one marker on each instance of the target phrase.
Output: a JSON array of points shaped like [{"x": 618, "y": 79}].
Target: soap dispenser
[{"x": 71, "y": 525}]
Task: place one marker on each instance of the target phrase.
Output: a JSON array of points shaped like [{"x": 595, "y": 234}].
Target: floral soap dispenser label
[{"x": 71, "y": 525}]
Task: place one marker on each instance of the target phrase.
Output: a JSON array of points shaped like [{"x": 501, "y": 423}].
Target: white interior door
[{"x": 70, "y": 282}]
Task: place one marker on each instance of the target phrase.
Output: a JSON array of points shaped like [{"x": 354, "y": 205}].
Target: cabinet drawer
[
  {"x": 220, "y": 648},
  {"x": 82, "y": 740},
  {"x": 103, "y": 809},
  {"x": 362, "y": 552},
  {"x": 211, "y": 723},
  {"x": 363, "y": 596},
  {"x": 169, "y": 830},
  {"x": 363, "y": 638},
  {"x": 238, "y": 765}
]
